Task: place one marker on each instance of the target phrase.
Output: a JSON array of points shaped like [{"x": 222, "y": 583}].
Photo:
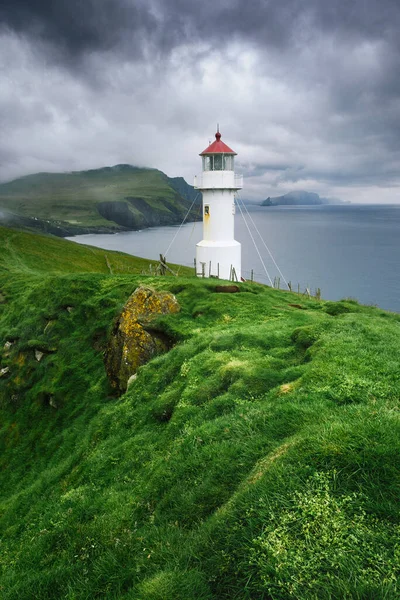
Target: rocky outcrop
[
  {"x": 119, "y": 213},
  {"x": 135, "y": 339},
  {"x": 136, "y": 213}
]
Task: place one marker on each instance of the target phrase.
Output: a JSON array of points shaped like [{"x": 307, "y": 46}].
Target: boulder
[{"x": 135, "y": 339}]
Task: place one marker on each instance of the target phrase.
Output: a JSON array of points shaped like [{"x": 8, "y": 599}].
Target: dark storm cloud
[
  {"x": 81, "y": 26},
  {"x": 77, "y": 27}
]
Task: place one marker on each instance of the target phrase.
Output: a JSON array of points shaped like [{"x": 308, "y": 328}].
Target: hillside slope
[
  {"x": 257, "y": 459},
  {"x": 100, "y": 200}
]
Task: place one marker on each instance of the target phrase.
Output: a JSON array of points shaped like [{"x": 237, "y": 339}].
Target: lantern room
[
  {"x": 218, "y": 167},
  {"x": 218, "y": 162},
  {"x": 218, "y": 156}
]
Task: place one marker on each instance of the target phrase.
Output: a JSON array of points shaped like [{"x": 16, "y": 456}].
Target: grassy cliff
[
  {"x": 107, "y": 199},
  {"x": 257, "y": 459}
]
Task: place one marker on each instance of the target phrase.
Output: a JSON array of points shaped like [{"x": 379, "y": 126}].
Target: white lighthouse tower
[{"x": 218, "y": 254}]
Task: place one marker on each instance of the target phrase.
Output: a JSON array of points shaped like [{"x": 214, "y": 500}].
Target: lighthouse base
[{"x": 219, "y": 259}]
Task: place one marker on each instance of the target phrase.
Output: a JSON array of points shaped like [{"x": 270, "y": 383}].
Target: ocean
[{"x": 348, "y": 251}]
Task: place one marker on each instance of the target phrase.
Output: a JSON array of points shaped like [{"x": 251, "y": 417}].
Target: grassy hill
[
  {"x": 108, "y": 199},
  {"x": 257, "y": 459},
  {"x": 31, "y": 254}
]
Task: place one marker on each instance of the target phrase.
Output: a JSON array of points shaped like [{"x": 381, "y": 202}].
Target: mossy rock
[
  {"x": 340, "y": 308},
  {"x": 305, "y": 336},
  {"x": 135, "y": 339}
]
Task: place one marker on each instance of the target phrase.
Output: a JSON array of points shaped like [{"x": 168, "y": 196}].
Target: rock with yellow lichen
[{"x": 134, "y": 340}]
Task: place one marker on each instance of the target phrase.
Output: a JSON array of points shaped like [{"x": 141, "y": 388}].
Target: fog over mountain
[{"x": 306, "y": 92}]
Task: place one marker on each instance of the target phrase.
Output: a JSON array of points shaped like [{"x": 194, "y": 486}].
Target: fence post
[{"x": 162, "y": 265}]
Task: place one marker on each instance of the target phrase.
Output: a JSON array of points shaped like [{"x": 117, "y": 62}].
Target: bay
[{"x": 345, "y": 250}]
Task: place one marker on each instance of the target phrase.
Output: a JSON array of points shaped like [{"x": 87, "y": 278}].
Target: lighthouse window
[
  {"x": 206, "y": 209},
  {"x": 228, "y": 162},
  {"x": 218, "y": 162},
  {"x": 207, "y": 165}
]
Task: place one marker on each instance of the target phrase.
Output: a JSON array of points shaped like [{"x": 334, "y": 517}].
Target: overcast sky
[{"x": 306, "y": 91}]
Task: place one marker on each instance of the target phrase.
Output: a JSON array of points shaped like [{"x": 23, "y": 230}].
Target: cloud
[
  {"x": 307, "y": 92},
  {"x": 79, "y": 27}
]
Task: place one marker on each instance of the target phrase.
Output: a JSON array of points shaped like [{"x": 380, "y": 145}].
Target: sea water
[{"x": 348, "y": 251}]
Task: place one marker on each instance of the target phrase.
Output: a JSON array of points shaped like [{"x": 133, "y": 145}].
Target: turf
[
  {"x": 28, "y": 253},
  {"x": 258, "y": 459}
]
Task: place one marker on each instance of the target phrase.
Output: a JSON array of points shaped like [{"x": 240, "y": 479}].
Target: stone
[
  {"x": 131, "y": 380},
  {"x": 7, "y": 345},
  {"x": 49, "y": 325},
  {"x": 4, "y": 371},
  {"x": 52, "y": 402},
  {"x": 39, "y": 355},
  {"x": 135, "y": 338}
]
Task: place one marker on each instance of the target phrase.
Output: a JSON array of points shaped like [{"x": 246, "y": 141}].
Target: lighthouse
[{"x": 218, "y": 254}]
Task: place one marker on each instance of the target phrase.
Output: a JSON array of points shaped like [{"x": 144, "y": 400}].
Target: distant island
[{"x": 301, "y": 198}]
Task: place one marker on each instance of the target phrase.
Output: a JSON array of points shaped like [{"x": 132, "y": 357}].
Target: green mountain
[
  {"x": 101, "y": 200},
  {"x": 299, "y": 198},
  {"x": 257, "y": 459}
]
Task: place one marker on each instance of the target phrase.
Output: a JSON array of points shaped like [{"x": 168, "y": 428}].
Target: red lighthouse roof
[{"x": 218, "y": 147}]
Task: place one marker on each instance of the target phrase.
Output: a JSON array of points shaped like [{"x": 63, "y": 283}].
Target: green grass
[
  {"x": 28, "y": 253},
  {"x": 258, "y": 459},
  {"x": 72, "y": 200}
]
